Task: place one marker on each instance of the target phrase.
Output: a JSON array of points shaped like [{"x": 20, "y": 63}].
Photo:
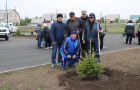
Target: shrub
[
  {"x": 31, "y": 32},
  {"x": 89, "y": 67},
  {"x": 18, "y": 32}
]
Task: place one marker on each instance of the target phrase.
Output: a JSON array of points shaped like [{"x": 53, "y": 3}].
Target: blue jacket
[
  {"x": 87, "y": 35},
  {"x": 57, "y": 31},
  {"x": 70, "y": 46},
  {"x": 39, "y": 30}
]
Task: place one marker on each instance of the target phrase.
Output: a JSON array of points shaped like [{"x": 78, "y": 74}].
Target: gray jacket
[
  {"x": 129, "y": 29},
  {"x": 73, "y": 25},
  {"x": 138, "y": 29},
  {"x": 39, "y": 30}
]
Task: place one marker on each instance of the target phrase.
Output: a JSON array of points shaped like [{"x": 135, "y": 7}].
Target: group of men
[{"x": 73, "y": 37}]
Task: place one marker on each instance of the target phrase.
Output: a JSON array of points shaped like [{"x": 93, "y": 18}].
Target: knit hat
[
  {"x": 59, "y": 15},
  {"x": 130, "y": 21},
  {"x": 45, "y": 24},
  {"x": 73, "y": 32}
]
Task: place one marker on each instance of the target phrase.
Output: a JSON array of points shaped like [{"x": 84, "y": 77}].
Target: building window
[
  {"x": 15, "y": 16},
  {"x": 10, "y": 15}
]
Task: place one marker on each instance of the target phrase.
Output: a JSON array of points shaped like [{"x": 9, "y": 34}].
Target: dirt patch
[
  {"x": 110, "y": 80},
  {"x": 123, "y": 73}
]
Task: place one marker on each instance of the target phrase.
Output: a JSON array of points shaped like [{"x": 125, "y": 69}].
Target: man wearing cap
[
  {"x": 84, "y": 19},
  {"x": 84, "y": 16},
  {"x": 69, "y": 50},
  {"x": 91, "y": 34},
  {"x": 74, "y": 24},
  {"x": 57, "y": 36}
]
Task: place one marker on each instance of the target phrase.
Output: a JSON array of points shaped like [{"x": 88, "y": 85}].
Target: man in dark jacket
[
  {"x": 84, "y": 19},
  {"x": 91, "y": 33},
  {"x": 57, "y": 36},
  {"x": 84, "y": 16},
  {"x": 129, "y": 30},
  {"x": 74, "y": 24},
  {"x": 46, "y": 36},
  {"x": 69, "y": 50},
  {"x": 38, "y": 30}
]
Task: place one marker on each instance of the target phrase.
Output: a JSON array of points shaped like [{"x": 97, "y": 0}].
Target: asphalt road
[{"x": 23, "y": 52}]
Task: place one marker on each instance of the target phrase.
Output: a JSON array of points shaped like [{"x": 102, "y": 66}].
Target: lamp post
[
  {"x": 7, "y": 12},
  {"x": 105, "y": 23}
]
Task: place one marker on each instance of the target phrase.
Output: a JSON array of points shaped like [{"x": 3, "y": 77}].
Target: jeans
[
  {"x": 96, "y": 49},
  {"x": 54, "y": 51},
  {"x": 71, "y": 61},
  {"x": 39, "y": 41}
]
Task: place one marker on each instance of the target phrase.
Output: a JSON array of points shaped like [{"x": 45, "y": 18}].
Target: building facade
[{"x": 13, "y": 16}]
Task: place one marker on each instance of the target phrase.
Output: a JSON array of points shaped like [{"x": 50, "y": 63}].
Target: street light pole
[
  {"x": 7, "y": 12},
  {"x": 105, "y": 23}
]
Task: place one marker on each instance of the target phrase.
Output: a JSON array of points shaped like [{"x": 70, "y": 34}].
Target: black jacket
[
  {"x": 85, "y": 20},
  {"x": 73, "y": 25},
  {"x": 46, "y": 33},
  {"x": 129, "y": 29}
]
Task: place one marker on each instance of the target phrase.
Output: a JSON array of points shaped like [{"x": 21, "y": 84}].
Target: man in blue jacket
[
  {"x": 91, "y": 33},
  {"x": 57, "y": 36},
  {"x": 70, "y": 50},
  {"x": 39, "y": 30}
]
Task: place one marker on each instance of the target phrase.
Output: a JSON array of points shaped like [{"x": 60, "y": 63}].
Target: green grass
[
  {"x": 6, "y": 87},
  {"x": 116, "y": 28},
  {"x": 26, "y": 29}
]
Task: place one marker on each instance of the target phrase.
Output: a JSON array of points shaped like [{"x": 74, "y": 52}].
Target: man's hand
[
  {"x": 53, "y": 43},
  {"x": 69, "y": 56},
  {"x": 84, "y": 42},
  {"x": 73, "y": 56},
  {"x": 98, "y": 31},
  {"x": 78, "y": 32}
]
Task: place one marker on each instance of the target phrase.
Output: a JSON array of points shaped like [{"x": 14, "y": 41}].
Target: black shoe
[
  {"x": 138, "y": 44},
  {"x": 125, "y": 43},
  {"x": 129, "y": 43}
]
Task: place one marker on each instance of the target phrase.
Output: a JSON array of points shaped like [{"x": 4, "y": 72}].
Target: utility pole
[
  {"x": 7, "y": 12},
  {"x": 105, "y": 23}
]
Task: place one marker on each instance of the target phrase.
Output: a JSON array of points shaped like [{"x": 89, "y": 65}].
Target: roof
[
  {"x": 112, "y": 17},
  {"x": 36, "y": 20},
  {"x": 48, "y": 17},
  {"x": 3, "y": 13}
]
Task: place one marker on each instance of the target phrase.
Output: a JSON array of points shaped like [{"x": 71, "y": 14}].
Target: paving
[{"x": 22, "y": 52}]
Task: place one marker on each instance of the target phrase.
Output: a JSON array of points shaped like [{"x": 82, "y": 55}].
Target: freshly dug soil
[{"x": 109, "y": 80}]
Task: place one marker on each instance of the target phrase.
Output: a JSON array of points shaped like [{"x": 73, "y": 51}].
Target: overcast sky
[{"x": 33, "y": 8}]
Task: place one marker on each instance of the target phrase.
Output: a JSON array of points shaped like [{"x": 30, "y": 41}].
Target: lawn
[
  {"x": 124, "y": 75},
  {"x": 116, "y": 28},
  {"x": 111, "y": 28}
]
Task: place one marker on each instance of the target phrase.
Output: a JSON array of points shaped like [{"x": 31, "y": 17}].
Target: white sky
[{"x": 33, "y": 8}]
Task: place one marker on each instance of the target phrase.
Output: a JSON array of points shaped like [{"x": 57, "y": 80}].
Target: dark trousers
[
  {"x": 127, "y": 38},
  {"x": 48, "y": 43},
  {"x": 139, "y": 37},
  {"x": 101, "y": 42}
]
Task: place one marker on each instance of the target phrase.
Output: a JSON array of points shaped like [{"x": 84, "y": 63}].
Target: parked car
[
  {"x": 4, "y": 32},
  {"x": 13, "y": 28}
]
